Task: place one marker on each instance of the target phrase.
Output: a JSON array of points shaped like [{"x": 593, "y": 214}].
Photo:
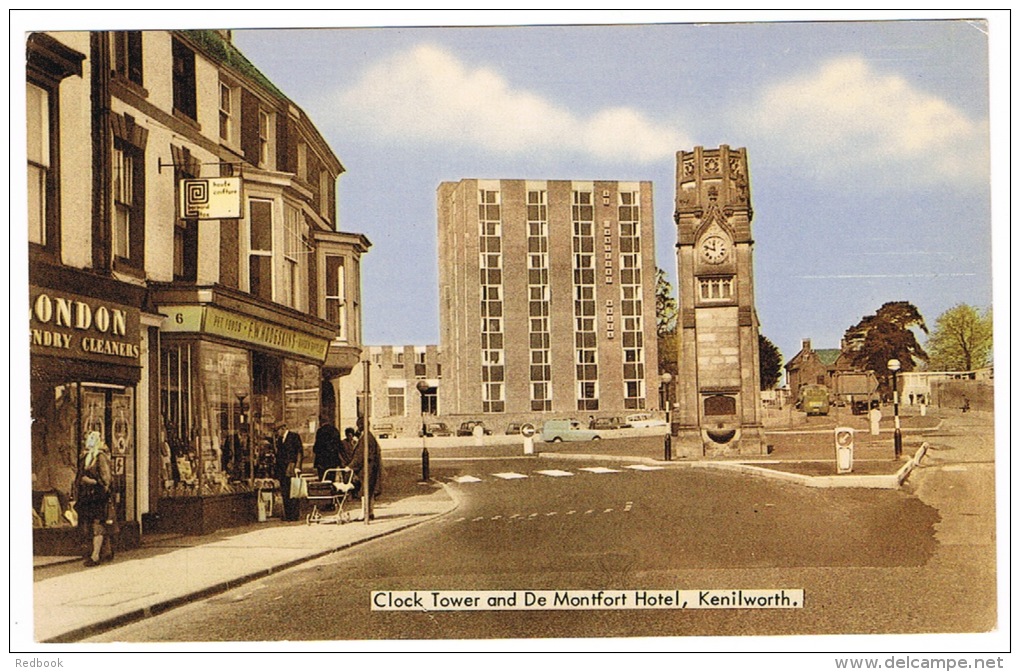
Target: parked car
[
  {"x": 554, "y": 431},
  {"x": 514, "y": 427},
  {"x": 384, "y": 430},
  {"x": 644, "y": 420},
  {"x": 436, "y": 429},
  {"x": 608, "y": 423},
  {"x": 468, "y": 428}
]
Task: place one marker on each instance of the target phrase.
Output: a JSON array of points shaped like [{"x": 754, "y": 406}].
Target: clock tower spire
[{"x": 717, "y": 391}]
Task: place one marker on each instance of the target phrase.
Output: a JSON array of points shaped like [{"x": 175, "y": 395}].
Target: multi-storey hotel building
[{"x": 547, "y": 298}]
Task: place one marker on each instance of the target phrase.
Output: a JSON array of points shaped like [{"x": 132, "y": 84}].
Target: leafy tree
[
  {"x": 770, "y": 362},
  {"x": 887, "y": 334},
  {"x": 665, "y": 324},
  {"x": 665, "y": 304},
  {"x": 961, "y": 340}
]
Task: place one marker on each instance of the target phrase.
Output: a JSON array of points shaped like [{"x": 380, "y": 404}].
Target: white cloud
[
  {"x": 425, "y": 93},
  {"x": 846, "y": 114}
]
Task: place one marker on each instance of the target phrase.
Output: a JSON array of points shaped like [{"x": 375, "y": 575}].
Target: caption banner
[{"x": 496, "y": 600}]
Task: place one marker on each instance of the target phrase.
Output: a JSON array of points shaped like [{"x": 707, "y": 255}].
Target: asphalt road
[{"x": 857, "y": 554}]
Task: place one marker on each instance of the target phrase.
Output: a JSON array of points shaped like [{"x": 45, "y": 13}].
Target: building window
[
  {"x": 264, "y": 138},
  {"x": 39, "y": 164},
  {"x": 398, "y": 359},
  {"x": 585, "y": 337},
  {"x": 490, "y": 261},
  {"x": 128, "y": 203},
  {"x": 396, "y": 399},
  {"x": 127, "y": 55},
  {"x": 184, "y": 80},
  {"x": 229, "y": 104},
  {"x": 419, "y": 364},
  {"x": 302, "y": 161},
  {"x": 293, "y": 257},
  {"x": 325, "y": 186},
  {"x": 336, "y": 301},
  {"x": 631, "y": 304},
  {"x": 540, "y": 371},
  {"x": 716, "y": 289},
  {"x": 260, "y": 249}
]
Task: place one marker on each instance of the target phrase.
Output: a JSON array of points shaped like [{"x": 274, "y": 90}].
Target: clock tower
[{"x": 717, "y": 391}]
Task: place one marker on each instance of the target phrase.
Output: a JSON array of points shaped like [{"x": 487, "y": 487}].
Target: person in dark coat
[
  {"x": 327, "y": 448},
  {"x": 289, "y": 456},
  {"x": 375, "y": 462},
  {"x": 348, "y": 446}
]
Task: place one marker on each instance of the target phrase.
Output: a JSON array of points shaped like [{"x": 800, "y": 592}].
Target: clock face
[{"x": 714, "y": 249}]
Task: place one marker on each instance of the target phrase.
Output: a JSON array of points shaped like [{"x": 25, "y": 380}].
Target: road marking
[
  {"x": 495, "y": 518},
  {"x": 554, "y": 472},
  {"x": 462, "y": 518},
  {"x": 532, "y": 515},
  {"x": 516, "y": 515},
  {"x": 600, "y": 470},
  {"x": 571, "y": 512},
  {"x": 551, "y": 513},
  {"x": 642, "y": 467},
  {"x": 467, "y": 479},
  {"x": 509, "y": 475},
  {"x": 589, "y": 511},
  {"x": 475, "y": 520},
  {"x": 608, "y": 511},
  {"x": 628, "y": 506}
]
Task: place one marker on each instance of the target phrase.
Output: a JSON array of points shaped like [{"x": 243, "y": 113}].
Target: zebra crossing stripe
[
  {"x": 509, "y": 475},
  {"x": 642, "y": 467},
  {"x": 467, "y": 479},
  {"x": 554, "y": 472},
  {"x": 600, "y": 470}
]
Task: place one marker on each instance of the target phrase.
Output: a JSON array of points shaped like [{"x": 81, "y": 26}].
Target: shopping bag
[{"x": 298, "y": 488}]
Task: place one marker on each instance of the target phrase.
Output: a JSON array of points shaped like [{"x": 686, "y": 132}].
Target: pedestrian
[
  {"x": 327, "y": 447},
  {"x": 348, "y": 445},
  {"x": 374, "y": 462},
  {"x": 289, "y": 456},
  {"x": 96, "y": 515},
  {"x": 232, "y": 452}
]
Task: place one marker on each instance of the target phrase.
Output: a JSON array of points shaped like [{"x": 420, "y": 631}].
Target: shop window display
[
  {"x": 220, "y": 405},
  {"x": 62, "y": 414}
]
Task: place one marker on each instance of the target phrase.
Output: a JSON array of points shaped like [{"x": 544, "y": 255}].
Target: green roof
[
  {"x": 222, "y": 49},
  {"x": 828, "y": 356}
]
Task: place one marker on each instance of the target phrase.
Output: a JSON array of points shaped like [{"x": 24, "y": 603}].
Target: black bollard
[
  {"x": 668, "y": 447},
  {"x": 425, "y": 465}
]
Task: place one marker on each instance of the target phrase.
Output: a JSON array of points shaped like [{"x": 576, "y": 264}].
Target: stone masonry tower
[{"x": 717, "y": 391}]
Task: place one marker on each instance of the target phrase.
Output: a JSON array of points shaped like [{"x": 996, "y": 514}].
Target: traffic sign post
[
  {"x": 844, "y": 450},
  {"x": 528, "y": 432}
]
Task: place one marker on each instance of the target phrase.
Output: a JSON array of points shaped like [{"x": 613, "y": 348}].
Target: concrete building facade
[{"x": 547, "y": 298}]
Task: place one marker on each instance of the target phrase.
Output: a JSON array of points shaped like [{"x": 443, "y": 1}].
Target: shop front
[
  {"x": 86, "y": 364},
  {"x": 228, "y": 376}
]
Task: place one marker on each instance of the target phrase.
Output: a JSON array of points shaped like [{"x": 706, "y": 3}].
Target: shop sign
[
  {"x": 79, "y": 327},
  {"x": 219, "y": 322},
  {"x": 211, "y": 198}
]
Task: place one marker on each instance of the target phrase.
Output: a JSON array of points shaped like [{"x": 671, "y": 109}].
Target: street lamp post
[
  {"x": 668, "y": 443},
  {"x": 423, "y": 387},
  {"x": 894, "y": 366}
]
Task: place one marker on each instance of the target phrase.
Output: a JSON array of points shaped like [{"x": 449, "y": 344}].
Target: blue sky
[
  {"x": 868, "y": 146},
  {"x": 868, "y": 140}
]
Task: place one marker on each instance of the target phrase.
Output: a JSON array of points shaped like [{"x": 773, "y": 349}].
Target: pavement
[{"x": 73, "y": 602}]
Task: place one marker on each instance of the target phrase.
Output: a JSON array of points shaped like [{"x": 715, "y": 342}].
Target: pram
[{"x": 331, "y": 492}]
